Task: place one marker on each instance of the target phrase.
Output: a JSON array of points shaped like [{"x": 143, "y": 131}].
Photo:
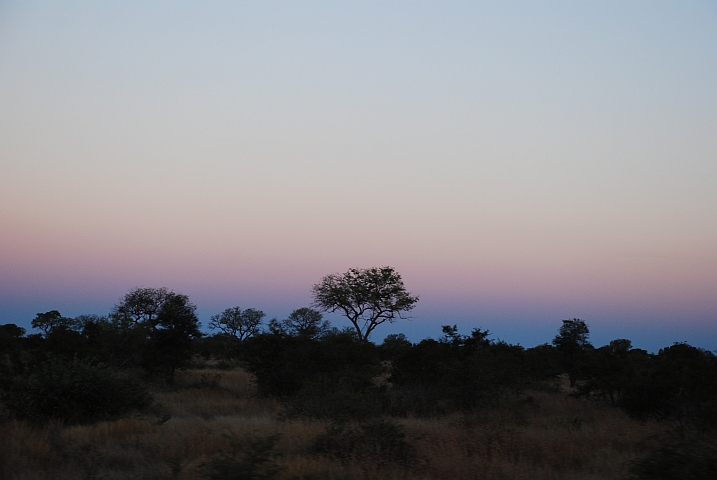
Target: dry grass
[
  {"x": 558, "y": 437},
  {"x": 209, "y": 393},
  {"x": 552, "y": 437}
]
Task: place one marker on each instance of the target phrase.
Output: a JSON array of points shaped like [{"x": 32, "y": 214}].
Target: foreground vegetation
[
  {"x": 217, "y": 417},
  {"x": 142, "y": 393}
]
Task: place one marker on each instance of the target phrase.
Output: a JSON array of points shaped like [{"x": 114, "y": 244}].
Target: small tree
[
  {"x": 171, "y": 341},
  {"x": 10, "y": 339},
  {"x": 237, "y": 323},
  {"x": 305, "y": 322},
  {"x": 142, "y": 305},
  {"x": 572, "y": 342},
  {"x": 610, "y": 369},
  {"x": 49, "y": 321},
  {"x": 394, "y": 345},
  {"x": 367, "y": 297}
]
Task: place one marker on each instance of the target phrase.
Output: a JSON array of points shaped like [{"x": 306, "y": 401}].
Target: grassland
[{"x": 545, "y": 434}]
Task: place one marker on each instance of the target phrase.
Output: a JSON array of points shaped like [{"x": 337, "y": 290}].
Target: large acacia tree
[{"x": 367, "y": 297}]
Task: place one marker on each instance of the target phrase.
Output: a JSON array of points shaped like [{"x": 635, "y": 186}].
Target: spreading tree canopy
[{"x": 367, "y": 297}]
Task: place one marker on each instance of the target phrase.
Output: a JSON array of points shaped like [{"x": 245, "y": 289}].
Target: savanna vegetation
[{"x": 144, "y": 393}]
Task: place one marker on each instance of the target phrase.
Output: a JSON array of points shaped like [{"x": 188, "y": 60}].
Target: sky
[{"x": 518, "y": 163}]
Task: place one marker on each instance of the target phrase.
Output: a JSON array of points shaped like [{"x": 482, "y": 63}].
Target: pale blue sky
[{"x": 517, "y": 162}]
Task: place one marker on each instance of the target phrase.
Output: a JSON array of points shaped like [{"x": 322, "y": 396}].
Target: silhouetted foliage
[
  {"x": 237, "y": 323},
  {"x": 543, "y": 362},
  {"x": 73, "y": 391},
  {"x": 142, "y": 305},
  {"x": 80, "y": 370},
  {"x": 367, "y": 297},
  {"x": 394, "y": 345},
  {"x": 49, "y": 321},
  {"x": 66, "y": 342},
  {"x": 170, "y": 341},
  {"x": 327, "y": 377},
  {"x": 10, "y": 337},
  {"x": 679, "y": 382},
  {"x": 12, "y": 345},
  {"x": 117, "y": 342},
  {"x": 455, "y": 372},
  {"x": 572, "y": 343},
  {"x": 302, "y": 322},
  {"x": 611, "y": 368}
]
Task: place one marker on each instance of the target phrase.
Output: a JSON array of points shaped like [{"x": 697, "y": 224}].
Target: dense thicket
[
  {"x": 332, "y": 375},
  {"x": 73, "y": 391},
  {"x": 324, "y": 371}
]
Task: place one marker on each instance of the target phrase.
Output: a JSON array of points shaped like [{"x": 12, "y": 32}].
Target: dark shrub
[
  {"x": 457, "y": 372},
  {"x": 74, "y": 392},
  {"x": 246, "y": 459},
  {"x": 378, "y": 441},
  {"x": 284, "y": 365},
  {"x": 680, "y": 383},
  {"x": 694, "y": 459},
  {"x": 339, "y": 402}
]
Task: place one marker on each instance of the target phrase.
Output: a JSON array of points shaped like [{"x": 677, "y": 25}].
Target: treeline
[
  {"x": 91, "y": 368},
  {"x": 321, "y": 371}
]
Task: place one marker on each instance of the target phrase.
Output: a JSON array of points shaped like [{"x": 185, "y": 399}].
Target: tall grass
[{"x": 546, "y": 435}]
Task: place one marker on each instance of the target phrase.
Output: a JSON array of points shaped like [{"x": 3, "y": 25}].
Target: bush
[
  {"x": 455, "y": 373},
  {"x": 73, "y": 391},
  {"x": 246, "y": 459},
  {"x": 680, "y": 382},
  {"x": 378, "y": 441},
  {"x": 285, "y": 365},
  {"x": 694, "y": 459},
  {"x": 340, "y": 402}
]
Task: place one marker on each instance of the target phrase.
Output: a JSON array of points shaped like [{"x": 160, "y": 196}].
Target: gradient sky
[{"x": 517, "y": 162}]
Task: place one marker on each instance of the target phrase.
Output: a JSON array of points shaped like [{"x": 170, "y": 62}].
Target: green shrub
[{"x": 73, "y": 391}]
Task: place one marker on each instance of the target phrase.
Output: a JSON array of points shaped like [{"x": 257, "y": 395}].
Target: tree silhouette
[
  {"x": 237, "y": 323},
  {"x": 304, "y": 322},
  {"x": 142, "y": 305},
  {"x": 572, "y": 343},
  {"x": 170, "y": 342},
  {"x": 367, "y": 297},
  {"x": 49, "y": 321}
]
